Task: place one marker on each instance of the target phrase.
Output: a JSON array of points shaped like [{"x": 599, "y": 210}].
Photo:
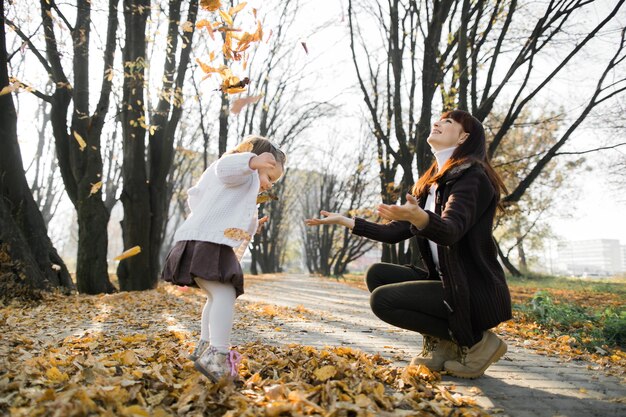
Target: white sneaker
[
  {"x": 216, "y": 365},
  {"x": 201, "y": 346}
]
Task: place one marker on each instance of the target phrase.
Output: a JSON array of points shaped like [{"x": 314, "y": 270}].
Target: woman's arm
[{"x": 393, "y": 232}]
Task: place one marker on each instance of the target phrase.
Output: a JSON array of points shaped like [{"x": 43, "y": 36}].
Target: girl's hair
[
  {"x": 258, "y": 145},
  {"x": 472, "y": 150}
]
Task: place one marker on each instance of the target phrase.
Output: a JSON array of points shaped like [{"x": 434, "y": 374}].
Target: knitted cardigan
[
  {"x": 224, "y": 198},
  {"x": 476, "y": 295}
]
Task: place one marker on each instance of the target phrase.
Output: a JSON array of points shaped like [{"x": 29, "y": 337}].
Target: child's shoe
[
  {"x": 216, "y": 365},
  {"x": 201, "y": 346}
]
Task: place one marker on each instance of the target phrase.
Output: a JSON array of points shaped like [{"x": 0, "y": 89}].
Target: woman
[{"x": 463, "y": 293}]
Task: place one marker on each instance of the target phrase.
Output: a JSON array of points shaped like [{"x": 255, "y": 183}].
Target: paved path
[{"x": 522, "y": 384}]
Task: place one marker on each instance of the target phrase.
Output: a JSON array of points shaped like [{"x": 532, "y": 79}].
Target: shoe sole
[
  {"x": 206, "y": 373},
  {"x": 494, "y": 358}
]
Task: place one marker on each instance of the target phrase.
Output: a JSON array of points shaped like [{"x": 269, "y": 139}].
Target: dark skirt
[{"x": 190, "y": 259}]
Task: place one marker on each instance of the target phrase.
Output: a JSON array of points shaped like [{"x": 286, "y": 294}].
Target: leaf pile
[{"x": 126, "y": 355}]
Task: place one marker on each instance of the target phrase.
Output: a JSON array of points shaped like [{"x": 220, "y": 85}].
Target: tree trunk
[
  {"x": 145, "y": 196},
  {"x": 92, "y": 275},
  {"x": 25, "y": 230},
  {"x": 135, "y": 273}
]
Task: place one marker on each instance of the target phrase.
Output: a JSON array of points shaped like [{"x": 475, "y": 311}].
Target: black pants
[{"x": 403, "y": 297}]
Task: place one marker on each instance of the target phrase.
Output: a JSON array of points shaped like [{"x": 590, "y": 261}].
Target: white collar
[{"x": 442, "y": 156}]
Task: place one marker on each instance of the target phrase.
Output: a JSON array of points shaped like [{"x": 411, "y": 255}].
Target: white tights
[{"x": 217, "y": 314}]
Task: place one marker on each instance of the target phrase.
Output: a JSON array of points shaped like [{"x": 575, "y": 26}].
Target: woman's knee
[
  {"x": 374, "y": 275},
  {"x": 380, "y": 302}
]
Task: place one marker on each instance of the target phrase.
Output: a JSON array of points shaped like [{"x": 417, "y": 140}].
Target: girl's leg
[
  {"x": 221, "y": 312},
  {"x": 205, "y": 333},
  {"x": 412, "y": 305},
  {"x": 384, "y": 273}
]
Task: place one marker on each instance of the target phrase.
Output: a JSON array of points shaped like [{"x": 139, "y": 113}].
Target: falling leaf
[
  {"x": 81, "y": 142},
  {"x": 305, "y": 48},
  {"x": 187, "y": 26},
  {"x": 228, "y": 19},
  {"x": 128, "y": 253},
  {"x": 95, "y": 187},
  {"x": 10, "y": 88},
  {"x": 210, "y": 5},
  {"x": 242, "y": 102},
  {"x": 234, "y": 10},
  {"x": 266, "y": 196},
  {"x": 237, "y": 234}
]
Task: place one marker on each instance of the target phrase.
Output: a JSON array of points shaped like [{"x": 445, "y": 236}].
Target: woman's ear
[{"x": 463, "y": 138}]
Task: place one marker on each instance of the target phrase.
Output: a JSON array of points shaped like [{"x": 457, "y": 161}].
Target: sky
[{"x": 597, "y": 209}]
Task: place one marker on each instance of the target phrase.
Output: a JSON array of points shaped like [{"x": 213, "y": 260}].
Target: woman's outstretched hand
[
  {"x": 330, "y": 218},
  {"x": 409, "y": 211}
]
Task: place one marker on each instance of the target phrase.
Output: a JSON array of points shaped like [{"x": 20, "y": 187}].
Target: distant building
[
  {"x": 624, "y": 258},
  {"x": 597, "y": 257}
]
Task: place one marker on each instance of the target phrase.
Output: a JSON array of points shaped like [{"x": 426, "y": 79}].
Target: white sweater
[{"x": 224, "y": 198}]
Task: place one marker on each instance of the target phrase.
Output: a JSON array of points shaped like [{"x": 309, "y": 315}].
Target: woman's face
[{"x": 446, "y": 133}]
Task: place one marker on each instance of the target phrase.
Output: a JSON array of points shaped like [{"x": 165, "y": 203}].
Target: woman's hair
[
  {"x": 472, "y": 150},
  {"x": 258, "y": 145}
]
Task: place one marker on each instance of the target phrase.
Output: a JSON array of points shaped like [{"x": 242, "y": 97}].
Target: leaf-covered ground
[{"x": 126, "y": 355}]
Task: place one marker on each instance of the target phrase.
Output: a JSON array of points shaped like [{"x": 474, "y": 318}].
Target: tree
[
  {"x": 472, "y": 56},
  {"x": 23, "y": 234},
  {"x": 78, "y": 146},
  {"x": 283, "y": 113},
  {"x": 329, "y": 249},
  {"x": 145, "y": 168}
]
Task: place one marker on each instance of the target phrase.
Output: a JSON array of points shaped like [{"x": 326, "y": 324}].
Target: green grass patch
[{"x": 591, "y": 327}]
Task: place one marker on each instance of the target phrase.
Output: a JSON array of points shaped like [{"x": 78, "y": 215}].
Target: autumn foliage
[{"x": 126, "y": 355}]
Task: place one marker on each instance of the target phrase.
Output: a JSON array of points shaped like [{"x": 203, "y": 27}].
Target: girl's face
[
  {"x": 446, "y": 133},
  {"x": 268, "y": 176}
]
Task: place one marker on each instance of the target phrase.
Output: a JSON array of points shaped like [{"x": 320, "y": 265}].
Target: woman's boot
[
  {"x": 436, "y": 352},
  {"x": 476, "y": 360}
]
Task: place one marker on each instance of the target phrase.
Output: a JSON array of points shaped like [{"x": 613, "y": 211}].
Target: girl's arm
[
  {"x": 234, "y": 169},
  {"x": 392, "y": 232}
]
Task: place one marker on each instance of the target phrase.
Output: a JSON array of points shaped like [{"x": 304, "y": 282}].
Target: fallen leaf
[{"x": 325, "y": 372}]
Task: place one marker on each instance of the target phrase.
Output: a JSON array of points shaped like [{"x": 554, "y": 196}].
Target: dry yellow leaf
[
  {"x": 95, "y": 187},
  {"x": 128, "y": 358},
  {"x": 210, "y": 5},
  {"x": 237, "y": 234},
  {"x": 53, "y": 374},
  {"x": 325, "y": 372},
  {"x": 234, "y": 10},
  {"x": 81, "y": 142},
  {"x": 228, "y": 19},
  {"x": 128, "y": 253},
  {"x": 135, "y": 411}
]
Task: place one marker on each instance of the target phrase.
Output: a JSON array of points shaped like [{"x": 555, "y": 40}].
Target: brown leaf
[{"x": 242, "y": 102}]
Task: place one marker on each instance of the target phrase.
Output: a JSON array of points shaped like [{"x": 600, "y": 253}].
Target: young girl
[{"x": 223, "y": 216}]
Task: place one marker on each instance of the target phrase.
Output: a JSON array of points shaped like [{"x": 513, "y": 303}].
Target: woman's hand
[
  {"x": 330, "y": 218},
  {"x": 264, "y": 161},
  {"x": 262, "y": 221},
  {"x": 409, "y": 211}
]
